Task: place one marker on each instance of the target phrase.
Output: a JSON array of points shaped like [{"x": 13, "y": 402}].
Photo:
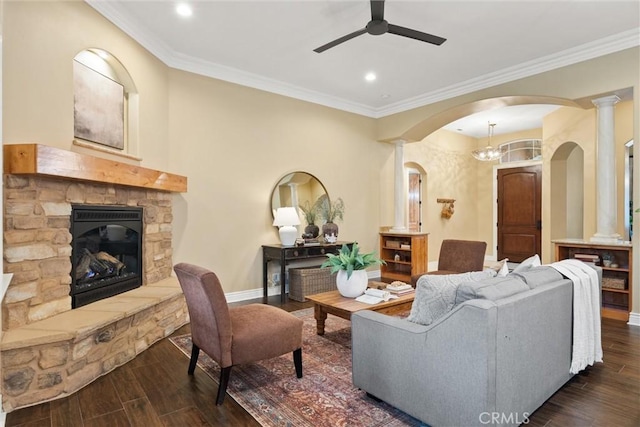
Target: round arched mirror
[{"x": 296, "y": 189}]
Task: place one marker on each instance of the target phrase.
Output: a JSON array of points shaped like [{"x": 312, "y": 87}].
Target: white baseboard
[
  {"x": 634, "y": 319},
  {"x": 273, "y": 290}
]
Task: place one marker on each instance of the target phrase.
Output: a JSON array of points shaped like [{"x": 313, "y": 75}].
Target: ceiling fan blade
[
  {"x": 340, "y": 40},
  {"x": 377, "y": 10},
  {"x": 417, "y": 35}
]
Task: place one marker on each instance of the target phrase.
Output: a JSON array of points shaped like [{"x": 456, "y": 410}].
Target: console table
[{"x": 287, "y": 254}]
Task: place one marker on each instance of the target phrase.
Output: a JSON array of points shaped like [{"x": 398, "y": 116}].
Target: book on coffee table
[
  {"x": 375, "y": 296},
  {"x": 402, "y": 292}
]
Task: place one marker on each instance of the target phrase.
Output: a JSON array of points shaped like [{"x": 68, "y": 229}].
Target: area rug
[{"x": 325, "y": 396}]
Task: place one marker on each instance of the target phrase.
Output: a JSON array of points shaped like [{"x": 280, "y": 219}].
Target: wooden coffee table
[{"x": 333, "y": 303}]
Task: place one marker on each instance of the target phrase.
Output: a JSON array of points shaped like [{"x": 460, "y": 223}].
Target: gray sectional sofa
[{"x": 488, "y": 361}]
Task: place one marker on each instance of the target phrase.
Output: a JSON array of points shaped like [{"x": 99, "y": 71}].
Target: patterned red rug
[{"x": 325, "y": 396}]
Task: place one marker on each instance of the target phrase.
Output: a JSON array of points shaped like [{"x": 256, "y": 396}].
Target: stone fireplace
[{"x": 48, "y": 349}]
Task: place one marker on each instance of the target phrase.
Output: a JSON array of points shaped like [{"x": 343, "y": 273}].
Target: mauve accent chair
[
  {"x": 234, "y": 335},
  {"x": 461, "y": 256},
  {"x": 458, "y": 256}
]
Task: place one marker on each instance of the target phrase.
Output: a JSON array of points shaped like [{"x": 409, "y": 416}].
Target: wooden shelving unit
[
  {"x": 405, "y": 254},
  {"x": 616, "y": 303}
]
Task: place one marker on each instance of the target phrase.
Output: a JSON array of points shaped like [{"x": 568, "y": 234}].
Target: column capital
[
  {"x": 605, "y": 101},
  {"x": 398, "y": 142}
]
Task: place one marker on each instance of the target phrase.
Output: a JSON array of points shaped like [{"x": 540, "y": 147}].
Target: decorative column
[
  {"x": 399, "y": 190},
  {"x": 607, "y": 205},
  {"x": 293, "y": 188}
]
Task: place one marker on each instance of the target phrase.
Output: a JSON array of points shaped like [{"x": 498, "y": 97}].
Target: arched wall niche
[
  {"x": 437, "y": 121},
  {"x": 107, "y": 64},
  {"x": 567, "y": 192}
]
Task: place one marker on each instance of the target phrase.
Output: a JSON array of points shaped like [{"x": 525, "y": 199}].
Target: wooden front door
[
  {"x": 519, "y": 212},
  {"x": 415, "y": 201}
]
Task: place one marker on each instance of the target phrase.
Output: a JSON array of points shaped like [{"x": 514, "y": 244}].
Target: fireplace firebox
[{"x": 106, "y": 255}]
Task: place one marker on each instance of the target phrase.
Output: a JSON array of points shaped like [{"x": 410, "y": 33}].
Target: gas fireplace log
[
  {"x": 98, "y": 265},
  {"x": 104, "y": 256}
]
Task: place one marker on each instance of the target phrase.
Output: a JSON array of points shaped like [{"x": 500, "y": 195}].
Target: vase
[
  {"x": 312, "y": 230},
  {"x": 354, "y": 286},
  {"x": 330, "y": 232}
]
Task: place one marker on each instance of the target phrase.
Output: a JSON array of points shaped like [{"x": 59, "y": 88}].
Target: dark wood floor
[{"x": 155, "y": 390}]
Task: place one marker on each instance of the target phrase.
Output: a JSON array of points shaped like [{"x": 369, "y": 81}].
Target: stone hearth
[{"x": 48, "y": 350}]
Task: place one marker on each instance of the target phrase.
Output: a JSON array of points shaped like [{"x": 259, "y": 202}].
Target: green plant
[
  {"x": 310, "y": 211},
  {"x": 330, "y": 211},
  {"x": 350, "y": 260}
]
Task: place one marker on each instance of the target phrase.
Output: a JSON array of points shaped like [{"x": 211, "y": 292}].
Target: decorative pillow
[
  {"x": 436, "y": 294},
  {"x": 504, "y": 270},
  {"x": 536, "y": 276},
  {"x": 491, "y": 289},
  {"x": 533, "y": 261},
  {"x": 500, "y": 267}
]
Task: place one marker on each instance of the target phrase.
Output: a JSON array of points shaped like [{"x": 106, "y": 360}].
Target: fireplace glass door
[{"x": 106, "y": 252}]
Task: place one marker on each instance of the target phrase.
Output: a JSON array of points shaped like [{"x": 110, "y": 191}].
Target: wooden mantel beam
[{"x": 36, "y": 159}]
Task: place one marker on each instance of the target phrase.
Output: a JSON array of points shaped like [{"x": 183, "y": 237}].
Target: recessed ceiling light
[
  {"x": 385, "y": 96},
  {"x": 370, "y": 77},
  {"x": 184, "y": 9}
]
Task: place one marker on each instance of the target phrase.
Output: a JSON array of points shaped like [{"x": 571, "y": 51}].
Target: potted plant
[
  {"x": 350, "y": 265},
  {"x": 310, "y": 213},
  {"x": 330, "y": 212}
]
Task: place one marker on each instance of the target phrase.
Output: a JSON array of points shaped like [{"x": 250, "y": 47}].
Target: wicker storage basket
[
  {"x": 614, "y": 283},
  {"x": 310, "y": 280}
]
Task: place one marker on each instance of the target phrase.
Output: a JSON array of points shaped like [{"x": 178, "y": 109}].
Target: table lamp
[{"x": 286, "y": 218}]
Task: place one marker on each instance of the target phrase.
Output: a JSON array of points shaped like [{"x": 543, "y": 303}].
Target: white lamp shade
[{"x": 286, "y": 218}]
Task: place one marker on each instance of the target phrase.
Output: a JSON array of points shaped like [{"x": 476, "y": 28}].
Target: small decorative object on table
[
  {"x": 399, "y": 288},
  {"x": 607, "y": 259},
  {"x": 330, "y": 212},
  {"x": 310, "y": 213},
  {"x": 350, "y": 265}
]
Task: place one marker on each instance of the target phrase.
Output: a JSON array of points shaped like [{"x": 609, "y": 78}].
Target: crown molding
[
  {"x": 604, "y": 46},
  {"x": 234, "y": 75}
]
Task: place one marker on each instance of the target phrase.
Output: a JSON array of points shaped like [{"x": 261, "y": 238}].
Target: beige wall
[
  {"x": 235, "y": 143},
  {"x": 572, "y": 125},
  {"x": 40, "y": 41},
  {"x": 449, "y": 172}
]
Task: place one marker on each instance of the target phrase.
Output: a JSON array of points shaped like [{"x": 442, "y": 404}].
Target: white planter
[{"x": 355, "y": 286}]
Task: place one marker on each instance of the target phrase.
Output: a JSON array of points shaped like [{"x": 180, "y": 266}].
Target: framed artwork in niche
[{"x": 98, "y": 107}]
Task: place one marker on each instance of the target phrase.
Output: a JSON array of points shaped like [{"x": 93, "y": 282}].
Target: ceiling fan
[{"x": 378, "y": 26}]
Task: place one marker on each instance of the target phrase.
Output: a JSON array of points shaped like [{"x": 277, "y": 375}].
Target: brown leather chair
[
  {"x": 234, "y": 335},
  {"x": 458, "y": 256}
]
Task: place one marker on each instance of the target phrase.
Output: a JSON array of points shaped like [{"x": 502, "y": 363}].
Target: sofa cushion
[
  {"x": 492, "y": 289},
  {"x": 436, "y": 294},
  {"x": 536, "y": 276},
  {"x": 532, "y": 261}
]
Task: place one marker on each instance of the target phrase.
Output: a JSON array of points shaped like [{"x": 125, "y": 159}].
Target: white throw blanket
[{"x": 587, "y": 345}]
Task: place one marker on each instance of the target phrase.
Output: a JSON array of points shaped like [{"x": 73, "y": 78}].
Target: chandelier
[{"x": 488, "y": 153}]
